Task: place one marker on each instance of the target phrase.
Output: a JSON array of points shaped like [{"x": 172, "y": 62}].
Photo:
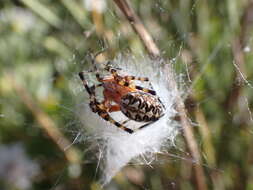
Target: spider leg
[
  {"x": 94, "y": 63},
  {"x": 133, "y": 86},
  {"x": 90, "y": 90},
  {"x": 105, "y": 115},
  {"x": 99, "y": 78},
  {"x": 100, "y": 108},
  {"x": 147, "y": 124},
  {"x": 110, "y": 108},
  {"x": 144, "y": 89},
  {"x": 124, "y": 122},
  {"x": 109, "y": 65},
  {"x": 110, "y": 69},
  {"x": 99, "y": 85},
  {"x": 126, "y": 81},
  {"x": 142, "y": 79},
  {"x": 114, "y": 108}
]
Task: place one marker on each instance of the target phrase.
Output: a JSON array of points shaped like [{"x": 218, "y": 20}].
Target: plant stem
[
  {"x": 153, "y": 50},
  {"x": 46, "y": 123},
  {"x": 139, "y": 28}
]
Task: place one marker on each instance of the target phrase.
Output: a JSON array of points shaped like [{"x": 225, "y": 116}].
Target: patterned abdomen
[{"x": 141, "y": 106}]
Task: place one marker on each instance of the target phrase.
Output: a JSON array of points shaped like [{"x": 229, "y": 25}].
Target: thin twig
[
  {"x": 154, "y": 51},
  {"x": 189, "y": 137},
  {"x": 239, "y": 59},
  {"x": 139, "y": 28},
  {"x": 46, "y": 123},
  {"x": 246, "y": 24}
]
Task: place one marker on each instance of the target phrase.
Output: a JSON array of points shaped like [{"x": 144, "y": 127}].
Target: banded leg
[
  {"x": 104, "y": 114},
  {"x": 99, "y": 78},
  {"x": 109, "y": 107},
  {"x": 114, "y": 108},
  {"x": 124, "y": 122},
  {"x": 147, "y": 124},
  {"x": 90, "y": 90},
  {"x": 131, "y": 85},
  {"x": 127, "y": 80},
  {"x": 111, "y": 69},
  {"x": 100, "y": 108},
  {"x": 143, "y": 79},
  {"x": 144, "y": 89},
  {"x": 94, "y": 63}
]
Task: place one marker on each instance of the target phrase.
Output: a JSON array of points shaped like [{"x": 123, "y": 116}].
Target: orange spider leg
[
  {"x": 144, "y": 79},
  {"x": 114, "y": 108},
  {"x": 133, "y": 86},
  {"x": 100, "y": 108},
  {"x": 126, "y": 81},
  {"x": 109, "y": 107}
]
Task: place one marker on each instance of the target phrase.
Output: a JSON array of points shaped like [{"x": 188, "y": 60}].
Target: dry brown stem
[
  {"x": 46, "y": 123},
  {"x": 139, "y": 28},
  {"x": 154, "y": 51}
]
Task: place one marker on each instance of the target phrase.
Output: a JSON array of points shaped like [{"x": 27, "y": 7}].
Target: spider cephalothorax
[{"x": 121, "y": 94}]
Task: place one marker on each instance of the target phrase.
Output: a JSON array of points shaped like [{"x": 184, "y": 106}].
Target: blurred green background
[{"x": 43, "y": 44}]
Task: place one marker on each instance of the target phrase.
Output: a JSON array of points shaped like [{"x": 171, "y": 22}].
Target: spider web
[
  {"x": 93, "y": 141},
  {"x": 186, "y": 84}
]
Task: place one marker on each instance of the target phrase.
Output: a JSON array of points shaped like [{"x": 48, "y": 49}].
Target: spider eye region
[{"x": 141, "y": 106}]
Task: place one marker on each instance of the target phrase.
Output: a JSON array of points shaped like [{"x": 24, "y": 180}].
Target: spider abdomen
[{"x": 141, "y": 106}]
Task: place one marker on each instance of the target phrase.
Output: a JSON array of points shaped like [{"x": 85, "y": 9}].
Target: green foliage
[{"x": 43, "y": 45}]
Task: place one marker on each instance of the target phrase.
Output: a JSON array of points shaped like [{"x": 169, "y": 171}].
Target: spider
[{"x": 121, "y": 94}]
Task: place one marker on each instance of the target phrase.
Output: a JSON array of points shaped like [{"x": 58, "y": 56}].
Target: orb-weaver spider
[{"x": 137, "y": 103}]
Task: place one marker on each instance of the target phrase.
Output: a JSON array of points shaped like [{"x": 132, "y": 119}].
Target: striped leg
[
  {"x": 131, "y": 85},
  {"x": 124, "y": 122},
  {"x": 90, "y": 90},
  {"x": 147, "y": 124},
  {"x": 104, "y": 114},
  {"x": 99, "y": 78},
  {"x": 127, "y": 80},
  {"x": 114, "y": 108},
  {"x": 142, "y": 79},
  {"x": 100, "y": 108},
  {"x": 144, "y": 89},
  {"x": 94, "y": 65},
  {"x": 112, "y": 70}
]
